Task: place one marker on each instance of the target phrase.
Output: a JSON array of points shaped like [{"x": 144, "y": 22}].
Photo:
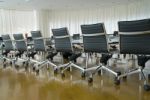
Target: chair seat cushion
[
  {"x": 51, "y": 55},
  {"x": 105, "y": 58},
  {"x": 142, "y": 60},
  {"x": 74, "y": 56}
]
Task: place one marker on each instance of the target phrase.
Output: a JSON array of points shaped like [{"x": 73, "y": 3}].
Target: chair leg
[
  {"x": 66, "y": 67},
  {"x": 146, "y": 85},
  {"x": 98, "y": 69}
]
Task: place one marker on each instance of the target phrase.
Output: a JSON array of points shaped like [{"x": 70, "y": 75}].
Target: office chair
[
  {"x": 135, "y": 39},
  {"x": 76, "y": 36},
  {"x": 94, "y": 41},
  {"x": 6, "y": 50},
  {"x": 39, "y": 46},
  {"x": 21, "y": 49},
  {"x": 64, "y": 46}
]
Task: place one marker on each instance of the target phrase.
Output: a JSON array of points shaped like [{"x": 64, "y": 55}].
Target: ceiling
[{"x": 60, "y": 4}]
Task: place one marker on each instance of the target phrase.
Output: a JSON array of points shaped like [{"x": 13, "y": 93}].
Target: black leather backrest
[
  {"x": 8, "y": 45},
  {"x": 21, "y": 45},
  {"x": 39, "y": 44},
  {"x": 36, "y": 34},
  {"x": 1, "y": 40},
  {"x": 76, "y": 36},
  {"x": 18, "y": 36},
  {"x": 38, "y": 41},
  {"x": 20, "y": 42},
  {"x": 62, "y": 44},
  {"x": 134, "y": 26},
  {"x": 6, "y": 37},
  {"x": 7, "y": 42},
  {"x": 94, "y": 39},
  {"x": 134, "y": 36}
]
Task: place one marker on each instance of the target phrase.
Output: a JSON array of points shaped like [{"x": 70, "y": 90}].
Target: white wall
[{"x": 110, "y": 16}]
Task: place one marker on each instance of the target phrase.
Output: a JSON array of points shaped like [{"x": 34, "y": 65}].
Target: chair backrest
[
  {"x": 1, "y": 40},
  {"x": 76, "y": 36},
  {"x": 94, "y": 38},
  {"x": 62, "y": 40},
  {"x": 39, "y": 44},
  {"x": 6, "y": 37},
  {"x": 7, "y": 42},
  {"x": 20, "y": 42},
  {"x": 134, "y": 36},
  {"x": 36, "y": 34},
  {"x": 18, "y": 36}
]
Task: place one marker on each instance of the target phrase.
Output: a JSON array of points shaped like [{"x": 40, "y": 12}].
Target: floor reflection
[{"x": 26, "y": 86}]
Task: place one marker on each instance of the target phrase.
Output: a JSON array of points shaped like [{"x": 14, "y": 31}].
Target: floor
[
  {"x": 21, "y": 85},
  {"x": 26, "y": 86}
]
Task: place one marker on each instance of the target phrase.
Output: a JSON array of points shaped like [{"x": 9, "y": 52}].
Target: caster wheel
[
  {"x": 55, "y": 71},
  {"x": 116, "y": 81},
  {"x": 62, "y": 75},
  {"x": 146, "y": 87},
  {"x": 90, "y": 80},
  {"x": 37, "y": 72},
  {"x": 33, "y": 68},
  {"x": 99, "y": 72},
  {"x": 83, "y": 74}
]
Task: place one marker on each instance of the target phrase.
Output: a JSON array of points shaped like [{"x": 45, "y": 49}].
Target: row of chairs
[{"x": 134, "y": 39}]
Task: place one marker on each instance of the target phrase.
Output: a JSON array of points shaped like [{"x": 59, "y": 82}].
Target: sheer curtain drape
[
  {"x": 42, "y": 22},
  {"x": 109, "y": 15},
  {"x": 15, "y": 21}
]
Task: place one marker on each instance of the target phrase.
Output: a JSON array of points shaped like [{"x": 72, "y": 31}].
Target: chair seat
[
  {"x": 51, "y": 55},
  {"x": 105, "y": 58},
  {"x": 32, "y": 54},
  {"x": 19, "y": 54},
  {"x": 5, "y": 53},
  {"x": 142, "y": 60},
  {"x": 74, "y": 56}
]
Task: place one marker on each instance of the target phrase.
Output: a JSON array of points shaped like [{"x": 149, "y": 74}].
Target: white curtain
[
  {"x": 42, "y": 22},
  {"x": 109, "y": 16},
  {"x": 15, "y": 21}
]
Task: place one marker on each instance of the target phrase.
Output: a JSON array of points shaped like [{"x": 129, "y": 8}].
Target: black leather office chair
[
  {"x": 21, "y": 48},
  {"x": 63, "y": 44},
  {"x": 39, "y": 46},
  {"x": 8, "y": 46},
  {"x": 94, "y": 41},
  {"x": 135, "y": 39}
]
